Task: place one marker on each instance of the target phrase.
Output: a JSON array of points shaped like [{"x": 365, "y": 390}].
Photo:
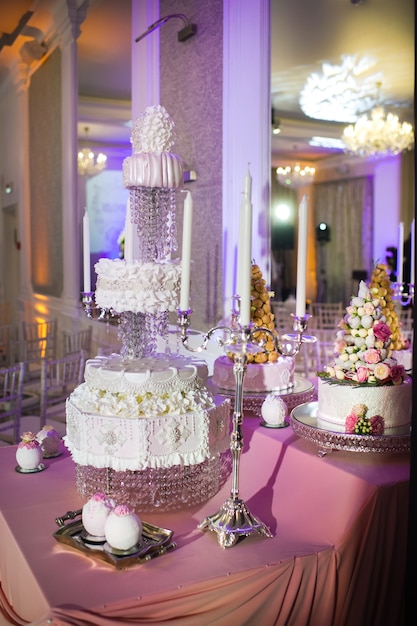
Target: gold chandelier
[
  {"x": 90, "y": 164},
  {"x": 296, "y": 176},
  {"x": 378, "y": 134}
]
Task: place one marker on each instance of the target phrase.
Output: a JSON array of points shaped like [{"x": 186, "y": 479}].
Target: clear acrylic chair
[
  {"x": 11, "y": 393},
  {"x": 76, "y": 341},
  {"x": 327, "y": 314},
  {"x": 38, "y": 342},
  {"x": 4, "y": 313},
  {"x": 59, "y": 377},
  {"x": 7, "y": 345}
]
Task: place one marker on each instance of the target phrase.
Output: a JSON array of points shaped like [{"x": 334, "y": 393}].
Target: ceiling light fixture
[
  {"x": 296, "y": 176},
  {"x": 378, "y": 134},
  {"x": 340, "y": 93},
  {"x": 90, "y": 164}
]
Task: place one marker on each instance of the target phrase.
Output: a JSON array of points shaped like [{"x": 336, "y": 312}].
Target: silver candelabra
[
  {"x": 234, "y": 521},
  {"x": 403, "y": 292}
]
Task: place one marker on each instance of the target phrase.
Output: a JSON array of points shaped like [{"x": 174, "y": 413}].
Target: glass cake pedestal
[
  {"x": 302, "y": 392},
  {"x": 303, "y": 420}
]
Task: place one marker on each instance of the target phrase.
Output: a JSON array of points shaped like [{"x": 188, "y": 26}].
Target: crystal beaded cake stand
[{"x": 304, "y": 423}]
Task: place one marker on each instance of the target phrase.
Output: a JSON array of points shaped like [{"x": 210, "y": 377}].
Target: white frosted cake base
[
  {"x": 335, "y": 403},
  {"x": 137, "y": 444},
  {"x": 259, "y": 378}
]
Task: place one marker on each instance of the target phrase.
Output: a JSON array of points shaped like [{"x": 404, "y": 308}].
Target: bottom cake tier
[{"x": 157, "y": 489}]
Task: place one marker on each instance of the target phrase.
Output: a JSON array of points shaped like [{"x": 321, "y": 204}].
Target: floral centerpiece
[
  {"x": 359, "y": 423},
  {"x": 363, "y": 352}
]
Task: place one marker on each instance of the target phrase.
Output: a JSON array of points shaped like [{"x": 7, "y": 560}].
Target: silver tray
[
  {"x": 154, "y": 542},
  {"x": 302, "y": 392},
  {"x": 303, "y": 420}
]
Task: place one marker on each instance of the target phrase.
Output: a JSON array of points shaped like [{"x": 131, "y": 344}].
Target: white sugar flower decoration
[{"x": 153, "y": 131}]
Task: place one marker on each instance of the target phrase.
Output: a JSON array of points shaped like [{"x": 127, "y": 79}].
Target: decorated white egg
[
  {"x": 29, "y": 452},
  {"x": 274, "y": 410},
  {"x": 123, "y": 528},
  {"x": 95, "y": 513},
  {"x": 49, "y": 440}
]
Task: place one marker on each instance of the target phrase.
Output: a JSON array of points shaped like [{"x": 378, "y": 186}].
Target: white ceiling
[{"x": 305, "y": 34}]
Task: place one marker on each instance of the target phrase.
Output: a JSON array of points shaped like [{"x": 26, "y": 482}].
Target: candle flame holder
[
  {"x": 95, "y": 312},
  {"x": 234, "y": 521},
  {"x": 403, "y": 293}
]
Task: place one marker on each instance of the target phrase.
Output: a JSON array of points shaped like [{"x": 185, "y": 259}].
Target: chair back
[
  {"x": 58, "y": 378},
  {"x": 11, "y": 393},
  {"x": 39, "y": 342},
  {"x": 74, "y": 342},
  {"x": 327, "y": 315},
  {"x": 4, "y": 313},
  {"x": 405, "y": 317},
  {"x": 7, "y": 344}
]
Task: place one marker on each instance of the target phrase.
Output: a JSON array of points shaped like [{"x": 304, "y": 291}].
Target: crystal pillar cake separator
[{"x": 234, "y": 521}]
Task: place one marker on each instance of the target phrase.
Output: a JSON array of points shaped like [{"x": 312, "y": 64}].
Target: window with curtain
[{"x": 346, "y": 207}]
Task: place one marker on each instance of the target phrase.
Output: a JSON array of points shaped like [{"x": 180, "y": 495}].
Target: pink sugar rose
[
  {"x": 369, "y": 308},
  {"x": 372, "y": 356},
  {"x": 398, "y": 371},
  {"x": 362, "y": 374},
  {"x": 382, "y": 331},
  {"x": 340, "y": 345},
  {"x": 122, "y": 510},
  {"x": 351, "y": 423},
  {"x": 382, "y": 371},
  {"x": 28, "y": 436},
  {"x": 377, "y": 423}
]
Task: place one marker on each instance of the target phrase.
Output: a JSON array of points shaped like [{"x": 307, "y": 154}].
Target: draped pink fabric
[{"x": 337, "y": 557}]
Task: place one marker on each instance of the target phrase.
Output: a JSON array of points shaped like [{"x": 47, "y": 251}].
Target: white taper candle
[
  {"x": 412, "y": 251},
  {"x": 300, "y": 305},
  {"x": 400, "y": 252},
  {"x": 245, "y": 253},
  {"x": 186, "y": 252},
  {"x": 128, "y": 255},
  {"x": 86, "y": 252}
]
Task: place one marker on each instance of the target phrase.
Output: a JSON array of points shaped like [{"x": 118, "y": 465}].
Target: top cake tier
[{"x": 152, "y": 163}]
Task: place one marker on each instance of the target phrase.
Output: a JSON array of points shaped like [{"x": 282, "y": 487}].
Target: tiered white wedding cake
[{"x": 143, "y": 428}]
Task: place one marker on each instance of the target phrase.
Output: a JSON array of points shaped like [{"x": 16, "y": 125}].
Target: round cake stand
[
  {"x": 302, "y": 392},
  {"x": 304, "y": 423}
]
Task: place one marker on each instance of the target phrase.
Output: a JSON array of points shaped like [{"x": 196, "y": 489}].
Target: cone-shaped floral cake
[
  {"x": 266, "y": 370},
  {"x": 365, "y": 390},
  {"x": 381, "y": 288}
]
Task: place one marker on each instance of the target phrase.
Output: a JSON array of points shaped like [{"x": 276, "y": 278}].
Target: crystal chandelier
[
  {"x": 90, "y": 164},
  {"x": 296, "y": 176},
  {"x": 378, "y": 134}
]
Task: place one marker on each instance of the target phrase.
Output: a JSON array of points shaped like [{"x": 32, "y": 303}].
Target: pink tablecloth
[{"x": 337, "y": 557}]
